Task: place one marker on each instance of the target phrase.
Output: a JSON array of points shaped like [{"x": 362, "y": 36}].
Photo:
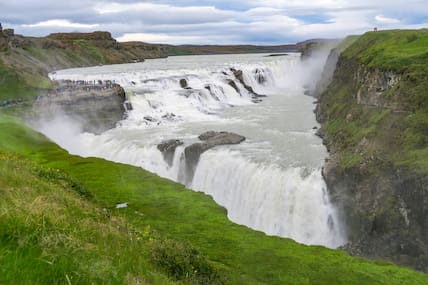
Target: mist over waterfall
[{"x": 270, "y": 182}]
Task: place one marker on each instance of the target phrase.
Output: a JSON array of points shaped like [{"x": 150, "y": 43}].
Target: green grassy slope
[{"x": 50, "y": 232}]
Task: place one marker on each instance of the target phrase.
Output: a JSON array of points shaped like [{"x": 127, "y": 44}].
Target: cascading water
[{"x": 271, "y": 182}]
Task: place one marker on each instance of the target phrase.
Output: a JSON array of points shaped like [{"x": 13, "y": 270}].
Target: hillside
[
  {"x": 60, "y": 223},
  {"x": 375, "y": 122},
  {"x": 26, "y": 61}
]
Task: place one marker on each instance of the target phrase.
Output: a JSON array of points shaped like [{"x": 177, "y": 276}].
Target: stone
[
  {"x": 209, "y": 140},
  {"x": 168, "y": 150},
  {"x": 240, "y": 76},
  {"x": 184, "y": 84}
]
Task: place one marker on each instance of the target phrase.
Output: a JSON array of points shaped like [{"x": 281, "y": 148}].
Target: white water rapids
[{"x": 271, "y": 182}]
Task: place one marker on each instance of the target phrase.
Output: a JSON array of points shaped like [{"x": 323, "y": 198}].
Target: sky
[{"x": 266, "y": 22}]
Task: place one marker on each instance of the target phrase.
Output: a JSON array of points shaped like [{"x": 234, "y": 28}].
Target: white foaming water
[{"x": 271, "y": 182}]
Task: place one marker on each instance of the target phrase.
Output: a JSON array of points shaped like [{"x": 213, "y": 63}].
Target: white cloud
[
  {"x": 162, "y": 13},
  {"x": 385, "y": 20},
  {"x": 158, "y": 38},
  {"x": 61, "y": 23},
  {"x": 214, "y": 21}
]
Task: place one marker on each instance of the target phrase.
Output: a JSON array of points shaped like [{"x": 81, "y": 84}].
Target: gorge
[{"x": 270, "y": 182}]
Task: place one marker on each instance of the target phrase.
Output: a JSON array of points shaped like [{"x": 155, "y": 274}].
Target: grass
[
  {"x": 398, "y": 50},
  {"x": 405, "y": 53},
  {"x": 54, "y": 228},
  {"x": 11, "y": 86}
]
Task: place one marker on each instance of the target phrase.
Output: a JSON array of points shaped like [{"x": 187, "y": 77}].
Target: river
[{"x": 271, "y": 182}]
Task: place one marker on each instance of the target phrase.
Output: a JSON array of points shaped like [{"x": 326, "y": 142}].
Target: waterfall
[{"x": 272, "y": 182}]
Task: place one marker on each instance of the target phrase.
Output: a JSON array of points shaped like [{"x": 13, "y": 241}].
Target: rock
[
  {"x": 240, "y": 76},
  {"x": 209, "y": 140},
  {"x": 81, "y": 36},
  {"x": 384, "y": 204},
  {"x": 9, "y": 32},
  {"x": 168, "y": 149},
  {"x": 184, "y": 84},
  {"x": 128, "y": 106},
  {"x": 97, "y": 109},
  {"x": 234, "y": 86},
  {"x": 150, "y": 119},
  {"x": 170, "y": 117},
  {"x": 213, "y": 95},
  {"x": 260, "y": 76}
]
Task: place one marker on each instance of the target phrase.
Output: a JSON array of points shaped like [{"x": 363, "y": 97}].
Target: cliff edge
[{"x": 374, "y": 117}]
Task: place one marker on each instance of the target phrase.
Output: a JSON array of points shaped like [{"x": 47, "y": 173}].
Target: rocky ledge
[
  {"x": 97, "y": 106},
  {"x": 192, "y": 153}
]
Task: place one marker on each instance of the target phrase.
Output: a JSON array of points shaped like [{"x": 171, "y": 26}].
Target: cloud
[
  {"x": 161, "y": 13},
  {"x": 158, "y": 38},
  {"x": 213, "y": 21},
  {"x": 385, "y": 20},
  {"x": 61, "y": 23}
]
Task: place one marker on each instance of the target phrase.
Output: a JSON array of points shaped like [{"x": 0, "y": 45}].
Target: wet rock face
[
  {"x": 260, "y": 76},
  {"x": 209, "y": 140},
  {"x": 385, "y": 205},
  {"x": 239, "y": 75},
  {"x": 193, "y": 152},
  {"x": 96, "y": 108},
  {"x": 372, "y": 84},
  {"x": 184, "y": 84},
  {"x": 168, "y": 149}
]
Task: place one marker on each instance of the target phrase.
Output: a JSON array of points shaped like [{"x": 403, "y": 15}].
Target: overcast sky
[{"x": 211, "y": 21}]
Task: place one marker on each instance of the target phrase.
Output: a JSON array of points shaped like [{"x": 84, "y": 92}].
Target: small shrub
[{"x": 183, "y": 262}]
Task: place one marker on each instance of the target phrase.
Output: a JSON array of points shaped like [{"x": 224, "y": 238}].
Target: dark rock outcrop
[
  {"x": 168, "y": 149},
  {"x": 260, "y": 76},
  {"x": 209, "y": 140},
  {"x": 213, "y": 95},
  {"x": 239, "y": 75},
  {"x": 385, "y": 203},
  {"x": 96, "y": 108},
  {"x": 184, "y": 84}
]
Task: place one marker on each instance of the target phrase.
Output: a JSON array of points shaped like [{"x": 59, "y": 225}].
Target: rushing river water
[{"x": 271, "y": 182}]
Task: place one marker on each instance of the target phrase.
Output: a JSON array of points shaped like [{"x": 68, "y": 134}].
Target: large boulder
[
  {"x": 209, "y": 140},
  {"x": 168, "y": 149}
]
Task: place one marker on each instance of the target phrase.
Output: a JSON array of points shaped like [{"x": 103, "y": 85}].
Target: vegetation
[
  {"x": 359, "y": 131},
  {"x": 59, "y": 224},
  {"x": 398, "y": 50},
  {"x": 93, "y": 51},
  {"x": 11, "y": 86}
]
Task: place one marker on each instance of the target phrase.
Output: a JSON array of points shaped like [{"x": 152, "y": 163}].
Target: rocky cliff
[
  {"x": 374, "y": 117},
  {"x": 95, "y": 106}
]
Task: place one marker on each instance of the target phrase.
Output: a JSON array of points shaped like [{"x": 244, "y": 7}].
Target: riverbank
[{"x": 374, "y": 118}]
